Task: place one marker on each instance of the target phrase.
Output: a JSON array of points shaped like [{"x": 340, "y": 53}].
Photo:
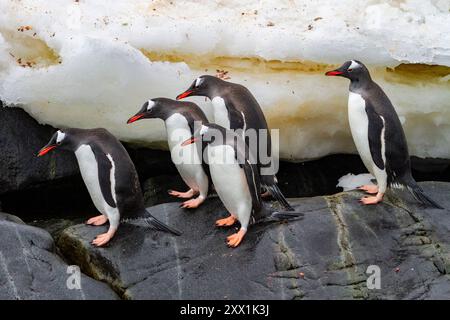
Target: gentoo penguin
[
  {"x": 236, "y": 178},
  {"x": 109, "y": 175},
  {"x": 378, "y": 135},
  {"x": 236, "y": 108},
  {"x": 180, "y": 119}
]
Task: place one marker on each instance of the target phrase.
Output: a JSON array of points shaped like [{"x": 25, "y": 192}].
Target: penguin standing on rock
[
  {"x": 378, "y": 136},
  {"x": 236, "y": 179},
  {"x": 109, "y": 175},
  {"x": 236, "y": 108},
  {"x": 180, "y": 118}
]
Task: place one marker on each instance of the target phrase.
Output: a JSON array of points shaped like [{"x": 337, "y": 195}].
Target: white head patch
[
  {"x": 199, "y": 81},
  {"x": 354, "y": 65},
  {"x": 60, "y": 137},
  {"x": 203, "y": 130},
  {"x": 150, "y": 104}
]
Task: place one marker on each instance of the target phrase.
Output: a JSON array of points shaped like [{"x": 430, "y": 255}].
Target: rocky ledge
[
  {"x": 325, "y": 255},
  {"x": 30, "y": 268}
]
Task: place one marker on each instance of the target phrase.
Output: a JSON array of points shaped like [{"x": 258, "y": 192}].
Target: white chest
[
  {"x": 89, "y": 172},
  {"x": 177, "y": 129},
  {"x": 220, "y": 112},
  {"x": 229, "y": 179},
  {"x": 359, "y": 126}
]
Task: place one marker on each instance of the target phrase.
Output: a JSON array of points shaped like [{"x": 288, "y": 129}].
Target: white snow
[
  {"x": 94, "y": 63},
  {"x": 351, "y": 181}
]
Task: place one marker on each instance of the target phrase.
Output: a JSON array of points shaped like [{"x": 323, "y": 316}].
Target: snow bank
[
  {"x": 93, "y": 63},
  {"x": 351, "y": 181}
]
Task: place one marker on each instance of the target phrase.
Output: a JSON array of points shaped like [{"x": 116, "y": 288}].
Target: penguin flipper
[
  {"x": 375, "y": 135},
  {"x": 104, "y": 173}
]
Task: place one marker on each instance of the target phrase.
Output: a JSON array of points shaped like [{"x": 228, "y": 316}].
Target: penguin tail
[
  {"x": 417, "y": 192},
  {"x": 281, "y": 216},
  {"x": 278, "y": 195},
  {"x": 158, "y": 225},
  {"x": 420, "y": 196},
  {"x": 287, "y": 215},
  {"x": 154, "y": 223}
]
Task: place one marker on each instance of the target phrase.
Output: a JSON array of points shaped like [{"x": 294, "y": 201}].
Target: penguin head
[
  {"x": 353, "y": 70},
  {"x": 202, "y": 86},
  {"x": 60, "y": 140},
  {"x": 153, "y": 108}
]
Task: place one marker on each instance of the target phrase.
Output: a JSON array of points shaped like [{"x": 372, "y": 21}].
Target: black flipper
[
  {"x": 278, "y": 195},
  {"x": 104, "y": 173},
  {"x": 375, "y": 130},
  {"x": 253, "y": 182}
]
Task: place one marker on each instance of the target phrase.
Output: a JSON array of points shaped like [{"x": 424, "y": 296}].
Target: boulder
[
  {"x": 325, "y": 255},
  {"x": 29, "y": 268},
  {"x": 21, "y": 139}
]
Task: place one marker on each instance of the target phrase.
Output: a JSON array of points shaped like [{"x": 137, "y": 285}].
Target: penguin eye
[{"x": 350, "y": 70}]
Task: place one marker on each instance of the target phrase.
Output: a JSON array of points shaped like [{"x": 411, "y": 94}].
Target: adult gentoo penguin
[
  {"x": 180, "y": 119},
  {"x": 109, "y": 175},
  {"x": 236, "y": 179},
  {"x": 236, "y": 108},
  {"x": 378, "y": 135}
]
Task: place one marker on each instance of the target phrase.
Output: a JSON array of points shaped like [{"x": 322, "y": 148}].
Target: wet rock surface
[
  {"x": 323, "y": 256},
  {"x": 29, "y": 268}
]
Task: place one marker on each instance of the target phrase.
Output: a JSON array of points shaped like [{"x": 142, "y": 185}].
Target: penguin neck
[{"x": 359, "y": 85}]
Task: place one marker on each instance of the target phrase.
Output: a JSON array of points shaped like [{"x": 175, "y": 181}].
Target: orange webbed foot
[
  {"x": 192, "y": 203},
  {"x": 369, "y": 188},
  {"x": 184, "y": 195},
  {"x": 103, "y": 238},
  {"x": 226, "y": 222},
  {"x": 97, "y": 221},
  {"x": 371, "y": 200},
  {"x": 235, "y": 239}
]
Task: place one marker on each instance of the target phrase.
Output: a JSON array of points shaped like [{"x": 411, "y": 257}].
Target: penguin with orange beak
[{"x": 109, "y": 175}]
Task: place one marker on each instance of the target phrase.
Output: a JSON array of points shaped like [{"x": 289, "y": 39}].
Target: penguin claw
[
  {"x": 192, "y": 203},
  {"x": 371, "y": 199},
  {"x": 369, "y": 188},
  {"x": 97, "y": 220},
  {"x": 103, "y": 239},
  {"x": 226, "y": 222},
  {"x": 185, "y": 195},
  {"x": 235, "y": 239}
]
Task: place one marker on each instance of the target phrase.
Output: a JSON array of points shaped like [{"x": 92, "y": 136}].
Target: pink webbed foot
[
  {"x": 371, "y": 199},
  {"x": 226, "y": 222},
  {"x": 192, "y": 203},
  {"x": 369, "y": 188},
  {"x": 235, "y": 239},
  {"x": 103, "y": 238},
  {"x": 98, "y": 220},
  {"x": 185, "y": 195}
]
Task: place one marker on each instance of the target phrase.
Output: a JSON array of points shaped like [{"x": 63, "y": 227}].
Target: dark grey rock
[
  {"x": 29, "y": 269},
  {"x": 323, "y": 256},
  {"x": 156, "y": 189},
  {"x": 21, "y": 139}
]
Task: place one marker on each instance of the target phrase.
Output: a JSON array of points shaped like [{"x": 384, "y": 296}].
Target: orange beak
[
  {"x": 185, "y": 94},
  {"x": 46, "y": 150},
  {"x": 189, "y": 141},
  {"x": 135, "y": 118}
]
